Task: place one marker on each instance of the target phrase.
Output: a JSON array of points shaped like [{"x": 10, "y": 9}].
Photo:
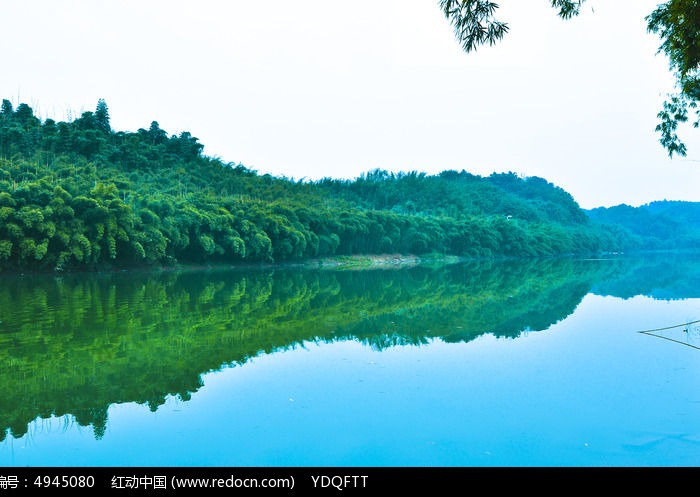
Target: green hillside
[
  {"x": 660, "y": 225},
  {"x": 80, "y": 195}
]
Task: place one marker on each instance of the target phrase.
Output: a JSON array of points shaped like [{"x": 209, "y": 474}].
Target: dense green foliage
[
  {"x": 660, "y": 225},
  {"x": 80, "y": 195}
]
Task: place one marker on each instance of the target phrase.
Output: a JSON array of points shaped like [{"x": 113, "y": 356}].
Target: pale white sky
[{"x": 314, "y": 88}]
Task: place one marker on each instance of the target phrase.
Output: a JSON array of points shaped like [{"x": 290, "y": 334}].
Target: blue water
[{"x": 589, "y": 390}]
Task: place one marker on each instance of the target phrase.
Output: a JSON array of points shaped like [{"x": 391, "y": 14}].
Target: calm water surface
[{"x": 537, "y": 363}]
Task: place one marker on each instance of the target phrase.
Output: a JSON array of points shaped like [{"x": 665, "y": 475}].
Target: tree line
[{"x": 80, "y": 195}]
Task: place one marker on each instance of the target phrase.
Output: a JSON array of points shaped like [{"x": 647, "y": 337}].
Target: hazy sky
[{"x": 314, "y": 88}]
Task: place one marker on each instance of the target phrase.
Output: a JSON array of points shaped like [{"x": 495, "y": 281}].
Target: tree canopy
[
  {"x": 676, "y": 22},
  {"x": 81, "y": 195}
]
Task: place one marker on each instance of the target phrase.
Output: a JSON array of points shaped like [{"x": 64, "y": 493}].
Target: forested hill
[
  {"x": 80, "y": 195},
  {"x": 659, "y": 225}
]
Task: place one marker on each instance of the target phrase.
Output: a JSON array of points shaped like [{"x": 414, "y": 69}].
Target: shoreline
[
  {"x": 349, "y": 262},
  {"x": 342, "y": 262}
]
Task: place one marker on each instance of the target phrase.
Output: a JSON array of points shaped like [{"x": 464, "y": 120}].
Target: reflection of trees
[
  {"x": 76, "y": 344},
  {"x": 665, "y": 275}
]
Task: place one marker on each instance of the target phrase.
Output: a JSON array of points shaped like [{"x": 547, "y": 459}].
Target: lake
[{"x": 564, "y": 362}]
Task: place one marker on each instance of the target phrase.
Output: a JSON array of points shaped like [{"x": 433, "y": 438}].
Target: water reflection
[{"x": 77, "y": 344}]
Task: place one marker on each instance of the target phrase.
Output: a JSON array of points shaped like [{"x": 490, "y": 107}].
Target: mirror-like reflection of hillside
[
  {"x": 663, "y": 276},
  {"x": 76, "y": 344}
]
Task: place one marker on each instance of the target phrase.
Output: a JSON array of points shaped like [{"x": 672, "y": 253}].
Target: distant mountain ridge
[{"x": 662, "y": 224}]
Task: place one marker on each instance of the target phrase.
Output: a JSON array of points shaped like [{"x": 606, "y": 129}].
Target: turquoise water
[{"x": 489, "y": 364}]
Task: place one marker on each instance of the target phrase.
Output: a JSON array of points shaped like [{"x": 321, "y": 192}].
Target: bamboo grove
[{"x": 78, "y": 195}]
